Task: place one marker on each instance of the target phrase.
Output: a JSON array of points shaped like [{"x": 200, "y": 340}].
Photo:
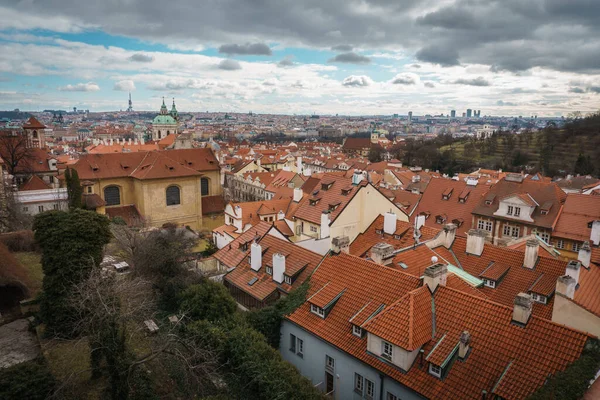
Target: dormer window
[
  {"x": 517, "y": 211},
  {"x": 387, "y": 350},
  {"x": 488, "y": 202},
  {"x": 378, "y": 231},
  {"x": 313, "y": 202},
  {"x": 447, "y": 194},
  {"x": 539, "y": 298},
  {"x": 326, "y": 186},
  {"x": 287, "y": 279},
  {"x": 346, "y": 191},
  {"x": 317, "y": 310},
  {"x": 269, "y": 270},
  {"x": 440, "y": 219},
  {"x": 435, "y": 370},
  {"x": 509, "y": 210},
  {"x": 357, "y": 331},
  {"x": 489, "y": 283}
]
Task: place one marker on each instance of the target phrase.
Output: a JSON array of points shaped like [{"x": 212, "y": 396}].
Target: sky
[{"x": 346, "y": 57}]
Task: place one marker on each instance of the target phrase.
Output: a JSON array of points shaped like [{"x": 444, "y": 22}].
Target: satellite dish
[{"x": 434, "y": 259}]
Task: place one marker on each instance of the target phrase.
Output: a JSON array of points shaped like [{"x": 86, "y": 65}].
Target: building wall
[
  {"x": 312, "y": 366},
  {"x": 569, "y": 313}
]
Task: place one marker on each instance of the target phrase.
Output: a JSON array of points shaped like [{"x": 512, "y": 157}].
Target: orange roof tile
[{"x": 578, "y": 211}]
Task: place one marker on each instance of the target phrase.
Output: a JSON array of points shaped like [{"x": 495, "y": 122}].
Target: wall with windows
[{"x": 313, "y": 365}]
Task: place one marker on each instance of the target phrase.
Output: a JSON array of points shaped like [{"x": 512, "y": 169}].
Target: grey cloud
[
  {"x": 286, "y": 62},
  {"x": 356, "y": 81},
  {"x": 505, "y": 103},
  {"x": 479, "y": 81},
  {"x": 429, "y": 84},
  {"x": 229, "y": 65},
  {"x": 248, "y": 49},
  {"x": 435, "y": 54},
  {"x": 350, "y": 58},
  {"x": 141, "y": 57},
  {"x": 450, "y": 18},
  {"x": 404, "y": 80},
  {"x": 576, "y": 90},
  {"x": 342, "y": 47},
  {"x": 594, "y": 89}
]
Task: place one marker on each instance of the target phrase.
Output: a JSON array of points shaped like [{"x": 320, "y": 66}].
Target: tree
[
  {"x": 16, "y": 153},
  {"x": 72, "y": 244},
  {"x": 74, "y": 189},
  {"x": 584, "y": 165},
  {"x": 30, "y": 380},
  {"x": 208, "y": 300},
  {"x": 375, "y": 154}
]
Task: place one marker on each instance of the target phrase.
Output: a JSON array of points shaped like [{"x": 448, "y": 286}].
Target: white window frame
[
  {"x": 509, "y": 210},
  {"x": 545, "y": 236},
  {"x": 488, "y": 226},
  {"x": 560, "y": 244},
  {"x": 435, "y": 370},
  {"x": 575, "y": 246},
  {"x": 387, "y": 350},
  {"x": 517, "y": 211},
  {"x": 369, "y": 389},
  {"x": 329, "y": 362},
  {"x": 489, "y": 283},
  {"x": 299, "y": 347},
  {"x": 359, "y": 384},
  {"x": 269, "y": 270},
  {"x": 317, "y": 310},
  {"x": 287, "y": 279},
  {"x": 391, "y": 396},
  {"x": 357, "y": 331}
]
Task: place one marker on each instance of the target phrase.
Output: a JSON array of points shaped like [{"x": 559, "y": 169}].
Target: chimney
[
  {"x": 298, "y": 195},
  {"x": 298, "y": 165},
  {"x": 111, "y": 141},
  {"x": 129, "y": 142},
  {"x": 255, "y": 256},
  {"x": 595, "y": 235},
  {"x": 435, "y": 275},
  {"x": 449, "y": 235},
  {"x": 531, "y": 253},
  {"x": 389, "y": 223},
  {"x": 565, "y": 285},
  {"x": 522, "y": 308},
  {"x": 585, "y": 254},
  {"x": 382, "y": 253},
  {"x": 340, "y": 244},
  {"x": 573, "y": 268},
  {"x": 475, "y": 241},
  {"x": 357, "y": 177},
  {"x": 463, "y": 344},
  {"x": 278, "y": 267},
  {"x": 142, "y": 141},
  {"x": 324, "y": 224}
]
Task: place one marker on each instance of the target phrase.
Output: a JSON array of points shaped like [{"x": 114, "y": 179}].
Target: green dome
[{"x": 164, "y": 120}]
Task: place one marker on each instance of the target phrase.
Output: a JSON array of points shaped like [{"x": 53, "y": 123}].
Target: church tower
[{"x": 164, "y": 124}]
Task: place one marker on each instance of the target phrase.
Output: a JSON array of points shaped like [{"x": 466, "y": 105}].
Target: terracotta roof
[
  {"x": 33, "y": 123},
  {"x": 129, "y": 213},
  {"x": 234, "y": 252},
  {"x": 252, "y": 210},
  {"x": 534, "y": 351},
  {"x": 213, "y": 204},
  {"x": 578, "y": 211},
  {"x": 34, "y": 183},
  {"x": 586, "y": 293},
  {"x": 92, "y": 201}
]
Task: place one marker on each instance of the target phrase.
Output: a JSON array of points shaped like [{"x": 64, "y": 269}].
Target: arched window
[
  {"x": 35, "y": 136},
  {"x": 173, "y": 196},
  {"x": 204, "y": 185},
  {"x": 112, "y": 195},
  {"x": 168, "y": 133}
]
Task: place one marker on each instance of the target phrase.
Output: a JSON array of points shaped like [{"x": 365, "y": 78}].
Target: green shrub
[
  {"x": 19, "y": 241},
  {"x": 31, "y": 380},
  {"x": 208, "y": 300}
]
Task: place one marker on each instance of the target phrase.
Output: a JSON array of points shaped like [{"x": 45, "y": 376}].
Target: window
[
  {"x": 575, "y": 246},
  {"x": 517, "y": 211},
  {"x": 112, "y": 195},
  {"x": 509, "y": 210},
  {"x": 292, "y": 343},
  {"x": 287, "y": 279},
  {"x": 356, "y": 330},
  {"x": 391, "y": 396},
  {"x": 269, "y": 270},
  {"x": 313, "y": 228},
  {"x": 435, "y": 370},
  {"x": 358, "y": 383},
  {"x": 513, "y": 231},
  {"x": 204, "y": 186},
  {"x": 25, "y": 209},
  {"x": 506, "y": 230},
  {"x": 317, "y": 310},
  {"x": 489, "y": 283},
  {"x": 41, "y": 208},
  {"x": 560, "y": 244},
  {"x": 370, "y": 392},
  {"x": 329, "y": 363},
  {"x": 485, "y": 225},
  {"x": 386, "y": 350},
  {"x": 300, "y": 347},
  {"x": 545, "y": 236},
  {"x": 173, "y": 196},
  {"x": 89, "y": 189},
  {"x": 55, "y": 206},
  {"x": 538, "y": 298}
]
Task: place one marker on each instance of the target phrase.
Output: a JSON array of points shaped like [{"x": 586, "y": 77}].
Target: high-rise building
[
  {"x": 453, "y": 113},
  {"x": 130, "y": 108},
  {"x": 469, "y": 112},
  {"x": 410, "y": 115}
]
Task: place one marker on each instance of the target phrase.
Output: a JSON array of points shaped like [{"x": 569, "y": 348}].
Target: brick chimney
[
  {"x": 389, "y": 223},
  {"x": 522, "y": 308},
  {"x": 340, "y": 244},
  {"x": 573, "y": 269},
  {"x": 382, "y": 253},
  {"x": 565, "y": 285},
  {"x": 463, "y": 344},
  {"x": 449, "y": 235},
  {"x": 278, "y": 267},
  {"x": 255, "y": 256},
  {"x": 532, "y": 247},
  {"x": 435, "y": 275},
  {"x": 475, "y": 241},
  {"x": 298, "y": 195},
  {"x": 585, "y": 254}
]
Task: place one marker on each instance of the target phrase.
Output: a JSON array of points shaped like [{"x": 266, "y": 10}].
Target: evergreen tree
[
  {"x": 74, "y": 189},
  {"x": 584, "y": 165}
]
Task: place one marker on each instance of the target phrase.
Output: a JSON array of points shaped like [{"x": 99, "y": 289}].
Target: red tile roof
[
  {"x": 33, "y": 123},
  {"x": 34, "y": 183},
  {"x": 577, "y": 212},
  {"x": 232, "y": 254}
]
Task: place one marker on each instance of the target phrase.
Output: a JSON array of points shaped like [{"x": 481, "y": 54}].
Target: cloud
[
  {"x": 405, "y": 79},
  {"x": 350, "y": 58},
  {"x": 479, "y": 81},
  {"x": 502, "y": 103},
  {"x": 286, "y": 62},
  {"x": 357, "y": 81},
  {"x": 594, "y": 89},
  {"x": 576, "y": 90},
  {"x": 429, "y": 84},
  {"x": 229, "y": 65},
  {"x": 80, "y": 87},
  {"x": 124, "y": 86},
  {"x": 435, "y": 54},
  {"x": 254, "y": 49},
  {"x": 342, "y": 47},
  {"x": 141, "y": 57}
]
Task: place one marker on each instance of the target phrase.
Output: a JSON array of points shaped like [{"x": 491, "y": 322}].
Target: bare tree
[
  {"x": 12, "y": 216},
  {"x": 16, "y": 152}
]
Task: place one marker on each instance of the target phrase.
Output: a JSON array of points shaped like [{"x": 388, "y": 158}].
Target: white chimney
[
  {"x": 357, "y": 177},
  {"x": 532, "y": 247},
  {"x": 298, "y": 165},
  {"x": 435, "y": 275},
  {"x": 340, "y": 244},
  {"x": 522, "y": 308},
  {"x": 142, "y": 141},
  {"x": 573, "y": 269},
  {"x": 419, "y": 222},
  {"x": 389, "y": 223},
  {"x": 111, "y": 141},
  {"x": 463, "y": 344},
  {"x": 324, "y": 225},
  {"x": 449, "y": 235},
  {"x": 298, "y": 195},
  {"x": 255, "y": 256},
  {"x": 129, "y": 142},
  {"x": 565, "y": 285},
  {"x": 475, "y": 241},
  {"x": 585, "y": 254},
  {"x": 278, "y": 267},
  {"x": 595, "y": 235},
  {"x": 382, "y": 253}
]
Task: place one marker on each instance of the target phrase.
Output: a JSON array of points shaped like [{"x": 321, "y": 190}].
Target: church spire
[
  {"x": 174, "y": 112},
  {"x": 163, "y": 108}
]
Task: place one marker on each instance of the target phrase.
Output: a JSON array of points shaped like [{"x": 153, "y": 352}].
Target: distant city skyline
[{"x": 303, "y": 57}]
